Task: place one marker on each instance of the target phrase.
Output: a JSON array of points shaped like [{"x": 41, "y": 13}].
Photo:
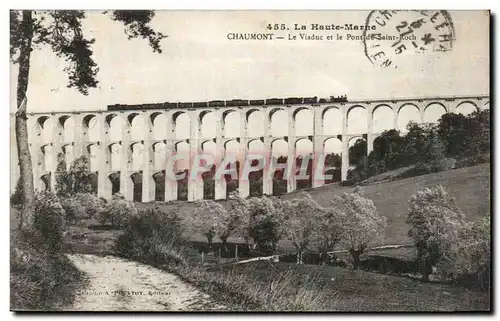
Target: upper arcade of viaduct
[{"x": 196, "y": 112}]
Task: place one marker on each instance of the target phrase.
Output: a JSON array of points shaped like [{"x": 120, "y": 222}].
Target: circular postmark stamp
[{"x": 400, "y": 32}]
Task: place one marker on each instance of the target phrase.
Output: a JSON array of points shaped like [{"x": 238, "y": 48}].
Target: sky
[{"x": 200, "y": 63}]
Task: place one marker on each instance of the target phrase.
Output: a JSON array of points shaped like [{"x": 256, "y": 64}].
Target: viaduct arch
[{"x": 107, "y": 176}]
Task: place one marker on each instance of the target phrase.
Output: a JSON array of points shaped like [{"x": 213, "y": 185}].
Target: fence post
[
  {"x": 202, "y": 258},
  {"x": 236, "y": 252},
  {"x": 219, "y": 255}
]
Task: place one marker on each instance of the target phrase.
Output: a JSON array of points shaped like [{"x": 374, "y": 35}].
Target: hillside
[{"x": 470, "y": 186}]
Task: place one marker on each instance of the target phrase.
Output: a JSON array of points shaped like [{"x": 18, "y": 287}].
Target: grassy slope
[
  {"x": 470, "y": 186},
  {"x": 39, "y": 280}
]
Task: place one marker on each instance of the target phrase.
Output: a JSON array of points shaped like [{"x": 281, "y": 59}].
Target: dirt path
[{"x": 116, "y": 284}]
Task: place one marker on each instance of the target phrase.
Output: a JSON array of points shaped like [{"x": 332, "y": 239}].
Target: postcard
[{"x": 250, "y": 160}]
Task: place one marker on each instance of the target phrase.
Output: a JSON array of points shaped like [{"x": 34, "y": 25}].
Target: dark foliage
[
  {"x": 17, "y": 198},
  {"x": 154, "y": 236},
  {"x": 209, "y": 184},
  {"x": 78, "y": 179},
  {"x": 265, "y": 235},
  {"x": 423, "y": 145},
  {"x": 137, "y": 25},
  {"x": 182, "y": 187},
  {"x": 389, "y": 265},
  {"x": 48, "y": 221}
]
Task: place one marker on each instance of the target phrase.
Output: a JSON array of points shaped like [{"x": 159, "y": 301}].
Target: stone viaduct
[{"x": 44, "y": 177}]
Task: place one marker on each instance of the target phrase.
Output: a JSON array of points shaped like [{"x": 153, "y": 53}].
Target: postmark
[{"x": 402, "y": 32}]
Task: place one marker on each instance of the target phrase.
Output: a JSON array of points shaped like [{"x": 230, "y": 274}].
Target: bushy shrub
[
  {"x": 153, "y": 237},
  {"x": 72, "y": 208},
  {"x": 447, "y": 164},
  {"x": 428, "y": 168},
  {"x": 90, "y": 202},
  {"x": 417, "y": 170},
  {"x": 363, "y": 226},
  {"x": 41, "y": 277},
  {"x": 117, "y": 211},
  {"x": 48, "y": 221},
  {"x": 82, "y": 206},
  {"x": 436, "y": 224},
  {"x": 469, "y": 258},
  {"x": 349, "y": 181},
  {"x": 473, "y": 160}
]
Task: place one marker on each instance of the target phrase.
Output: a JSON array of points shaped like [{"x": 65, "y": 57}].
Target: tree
[
  {"x": 255, "y": 180},
  {"x": 265, "y": 222},
  {"x": 240, "y": 209},
  {"x": 425, "y": 146},
  {"x": 470, "y": 256},
  {"x": 279, "y": 178},
  {"x": 209, "y": 183},
  {"x": 357, "y": 151},
  {"x": 304, "y": 183},
  {"x": 387, "y": 148},
  {"x": 301, "y": 217},
  {"x": 435, "y": 150},
  {"x": 363, "y": 226},
  {"x": 329, "y": 230},
  {"x": 211, "y": 219},
  {"x": 479, "y": 133},
  {"x": 62, "y": 32},
  {"x": 454, "y": 131},
  {"x": 77, "y": 180},
  {"x": 436, "y": 222},
  {"x": 203, "y": 222},
  {"x": 335, "y": 161}
]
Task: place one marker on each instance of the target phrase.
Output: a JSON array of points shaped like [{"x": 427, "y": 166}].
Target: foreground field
[
  {"x": 348, "y": 290},
  {"x": 267, "y": 286}
]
